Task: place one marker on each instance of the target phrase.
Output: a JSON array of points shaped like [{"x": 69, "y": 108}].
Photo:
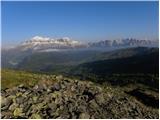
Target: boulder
[
  {"x": 5, "y": 103},
  {"x": 56, "y": 86},
  {"x": 84, "y": 116},
  {"x": 18, "y": 112}
]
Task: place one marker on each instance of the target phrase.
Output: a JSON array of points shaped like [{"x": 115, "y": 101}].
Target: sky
[{"x": 82, "y": 21}]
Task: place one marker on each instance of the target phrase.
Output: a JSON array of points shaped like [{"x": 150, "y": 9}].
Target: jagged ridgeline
[{"x": 88, "y": 83}]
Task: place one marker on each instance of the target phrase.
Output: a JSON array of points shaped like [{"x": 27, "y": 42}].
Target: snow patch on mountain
[{"x": 42, "y": 43}]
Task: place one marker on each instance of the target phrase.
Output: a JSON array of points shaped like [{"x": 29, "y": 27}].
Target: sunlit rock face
[{"x": 44, "y": 43}]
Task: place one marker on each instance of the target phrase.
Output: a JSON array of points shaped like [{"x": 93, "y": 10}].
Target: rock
[
  {"x": 64, "y": 115},
  {"x": 55, "y": 114},
  {"x": 63, "y": 86},
  {"x": 73, "y": 88},
  {"x": 59, "y": 101},
  {"x": 26, "y": 107},
  {"x": 35, "y": 87},
  {"x": 20, "y": 100},
  {"x": 3, "y": 93},
  {"x": 88, "y": 94},
  {"x": 76, "y": 82},
  {"x": 49, "y": 90},
  {"x": 56, "y": 87},
  {"x": 84, "y": 116},
  {"x": 100, "y": 99},
  {"x": 34, "y": 98},
  {"x": 19, "y": 94},
  {"x": 34, "y": 108},
  {"x": 21, "y": 86},
  {"x": 14, "y": 99},
  {"x": 18, "y": 112},
  {"x": 53, "y": 106},
  {"x": 6, "y": 115},
  {"x": 5, "y": 103},
  {"x": 13, "y": 106},
  {"x": 82, "y": 108},
  {"x": 71, "y": 107},
  {"x": 93, "y": 105},
  {"x": 43, "y": 87},
  {"x": 36, "y": 116},
  {"x": 59, "y": 77},
  {"x": 55, "y": 94},
  {"x": 26, "y": 93},
  {"x": 39, "y": 106},
  {"x": 12, "y": 91},
  {"x": 28, "y": 112}
]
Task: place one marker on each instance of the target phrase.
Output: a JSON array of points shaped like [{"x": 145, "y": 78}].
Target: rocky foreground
[{"x": 67, "y": 98}]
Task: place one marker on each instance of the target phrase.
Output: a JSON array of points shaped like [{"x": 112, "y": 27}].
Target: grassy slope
[{"x": 11, "y": 78}]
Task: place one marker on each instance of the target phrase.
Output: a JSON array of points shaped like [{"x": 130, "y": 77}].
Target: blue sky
[{"x": 83, "y": 21}]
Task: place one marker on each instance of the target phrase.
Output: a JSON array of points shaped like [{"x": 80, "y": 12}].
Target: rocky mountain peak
[{"x": 44, "y": 43}]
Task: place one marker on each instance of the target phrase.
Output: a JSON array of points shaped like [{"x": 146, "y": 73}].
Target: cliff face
[{"x": 65, "y": 98}]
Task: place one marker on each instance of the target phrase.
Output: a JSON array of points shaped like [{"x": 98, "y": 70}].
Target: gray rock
[
  {"x": 84, "y": 116},
  {"x": 53, "y": 106},
  {"x": 82, "y": 108},
  {"x": 100, "y": 99},
  {"x": 93, "y": 105},
  {"x": 20, "y": 100},
  {"x": 6, "y": 114},
  {"x": 56, "y": 87},
  {"x": 13, "y": 106},
  {"x": 35, "y": 87},
  {"x": 5, "y": 103}
]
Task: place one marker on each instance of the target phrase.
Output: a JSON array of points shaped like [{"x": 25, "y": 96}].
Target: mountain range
[
  {"x": 123, "y": 42},
  {"x": 46, "y": 44}
]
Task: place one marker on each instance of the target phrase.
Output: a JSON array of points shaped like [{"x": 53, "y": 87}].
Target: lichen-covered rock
[
  {"x": 68, "y": 98},
  {"x": 34, "y": 98},
  {"x": 18, "y": 112},
  {"x": 35, "y": 116}
]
